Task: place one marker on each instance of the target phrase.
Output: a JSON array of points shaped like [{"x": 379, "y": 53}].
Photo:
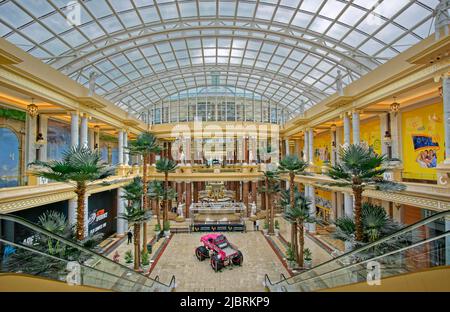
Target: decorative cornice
[
  {"x": 35, "y": 201},
  {"x": 8, "y": 59}
]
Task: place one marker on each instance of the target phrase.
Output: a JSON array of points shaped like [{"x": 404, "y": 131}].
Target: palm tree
[
  {"x": 271, "y": 186},
  {"x": 292, "y": 165},
  {"x": 360, "y": 168},
  {"x": 156, "y": 193},
  {"x": 79, "y": 165},
  {"x": 298, "y": 214},
  {"x": 376, "y": 224},
  {"x": 166, "y": 166},
  {"x": 135, "y": 215},
  {"x": 144, "y": 145}
]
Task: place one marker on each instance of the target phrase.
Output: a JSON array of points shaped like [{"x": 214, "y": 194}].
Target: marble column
[
  {"x": 91, "y": 138},
  {"x": 30, "y": 139},
  {"x": 74, "y": 129},
  {"x": 246, "y": 151},
  {"x": 312, "y": 207},
  {"x": 43, "y": 126},
  {"x": 446, "y": 100},
  {"x": 383, "y": 128},
  {"x": 306, "y": 146},
  {"x": 333, "y": 148},
  {"x": 334, "y": 206},
  {"x": 72, "y": 211},
  {"x": 263, "y": 198},
  {"x": 311, "y": 146},
  {"x": 126, "y": 156},
  {"x": 346, "y": 120},
  {"x": 196, "y": 189},
  {"x": 348, "y": 205},
  {"x": 339, "y": 140},
  {"x": 286, "y": 146},
  {"x": 97, "y": 137},
  {"x": 355, "y": 127},
  {"x": 188, "y": 198},
  {"x": 84, "y": 131},
  {"x": 179, "y": 193},
  {"x": 245, "y": 196},
  {"x": 395, "y": 134},
  {"x": 121, "y": 223},
  {"x": 254, "y": 192},
  {"x": 120, "y": 147}
]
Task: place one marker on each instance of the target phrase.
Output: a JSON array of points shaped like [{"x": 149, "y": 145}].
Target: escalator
[
  {"x": 414, "y": 248},
  {"x": 46, "y": 255}
]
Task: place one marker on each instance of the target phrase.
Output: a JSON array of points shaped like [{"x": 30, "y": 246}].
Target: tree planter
[
  {"x": 307, "y": 264},
  {"x": 277, "y": 232},
  {"x": 265, "y": 231},
  {"x": 167, "y": 233}
]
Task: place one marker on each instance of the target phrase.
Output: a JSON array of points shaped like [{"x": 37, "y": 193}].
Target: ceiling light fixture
[
  {"x": 32, "y": 109},
  {"x": 395, "y": 106}
]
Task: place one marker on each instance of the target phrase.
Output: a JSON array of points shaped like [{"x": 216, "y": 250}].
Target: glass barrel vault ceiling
[{"x": 289, "y": 51}]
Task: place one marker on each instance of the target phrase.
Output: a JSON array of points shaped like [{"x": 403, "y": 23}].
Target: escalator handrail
[
  {"x": 39, "y": 229},
  {"x": 402, "y": 231},
  {"x": 67, "y": 261},
  {"x": 349, "y": 266}
]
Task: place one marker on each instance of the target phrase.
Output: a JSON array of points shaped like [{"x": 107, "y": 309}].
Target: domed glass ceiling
[{"x": 289, "y": 51}]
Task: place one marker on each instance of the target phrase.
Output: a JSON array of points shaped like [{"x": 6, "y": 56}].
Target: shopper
[{"x": 130, "y": 237}]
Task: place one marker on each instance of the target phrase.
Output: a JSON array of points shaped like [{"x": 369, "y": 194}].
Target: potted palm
[
  {"x": 80, "y": 166},
  {"x": 166, "y": 166},
  {"x": 361, "y": 168},
  {"x": 128, "y": 257},
  {"x": 166, "y": 228},
  {"x": 145, "y": 259},
  {"x": 266, "y": 227},
  {"x": 277, "y": 228},
  {"x": 291, "y": 257},
  {"x": 145, "y": 145},
  {"x": 293, "y": 166},
  {"x": 307, "y": 256}
]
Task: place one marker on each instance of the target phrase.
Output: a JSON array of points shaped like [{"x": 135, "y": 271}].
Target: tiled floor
[{"x": 193, "y": 275}]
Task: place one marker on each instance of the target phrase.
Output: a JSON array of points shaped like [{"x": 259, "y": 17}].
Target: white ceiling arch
[{"x": 294, "y": 47}]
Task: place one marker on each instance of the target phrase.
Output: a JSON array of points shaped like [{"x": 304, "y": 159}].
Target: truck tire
[
  {"x": 216, "y": 263},
  {"x": 201, "y": 253},
  {"x": 238, "y": 259}
]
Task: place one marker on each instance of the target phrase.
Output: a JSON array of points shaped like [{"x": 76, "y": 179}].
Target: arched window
[{"x": 9, "y": 158}]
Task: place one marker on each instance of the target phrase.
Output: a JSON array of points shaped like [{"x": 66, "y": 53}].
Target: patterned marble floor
[{"x": 193, "y": 275}]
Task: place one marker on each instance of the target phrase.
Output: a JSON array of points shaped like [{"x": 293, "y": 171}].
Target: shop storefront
[{"x": 102, "y": 213}]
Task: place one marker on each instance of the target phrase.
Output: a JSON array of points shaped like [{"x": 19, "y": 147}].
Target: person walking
[{"x": 130, "y": 237}]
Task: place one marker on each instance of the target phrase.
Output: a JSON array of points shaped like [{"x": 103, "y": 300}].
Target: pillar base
[{"x": 443, "y": 174}]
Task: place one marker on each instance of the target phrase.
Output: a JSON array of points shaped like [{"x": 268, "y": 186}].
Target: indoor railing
[
  {"x": 45, "y": 254},
  {"x": 408, "y": 250}
]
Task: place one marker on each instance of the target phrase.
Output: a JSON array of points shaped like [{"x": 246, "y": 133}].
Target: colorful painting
[
  {"x": 371, "y": 134},
  {"x": 322, "y": 148},
  {"x": 422, "y": 138}
]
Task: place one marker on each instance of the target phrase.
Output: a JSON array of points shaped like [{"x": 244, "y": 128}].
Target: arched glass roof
[{"x": 289, "y": 51}]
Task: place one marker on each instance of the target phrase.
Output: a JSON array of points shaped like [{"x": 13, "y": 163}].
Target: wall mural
[
  {"x": 423, "y": 139},
  {"x": 322, "y": 148},
  {"x": 371, "y": 134},
  {"x": 9, "y": 158},
  {"x": 58, "y": 139}
]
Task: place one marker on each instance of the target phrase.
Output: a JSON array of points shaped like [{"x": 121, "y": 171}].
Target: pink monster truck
[{"x": 221, "y": 252}]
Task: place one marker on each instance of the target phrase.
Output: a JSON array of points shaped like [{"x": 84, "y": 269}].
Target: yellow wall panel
[
  {"x": 322, "y": 148},
  {"x": 423, "y": 141},
  {"x": 371, "y": 134}
]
